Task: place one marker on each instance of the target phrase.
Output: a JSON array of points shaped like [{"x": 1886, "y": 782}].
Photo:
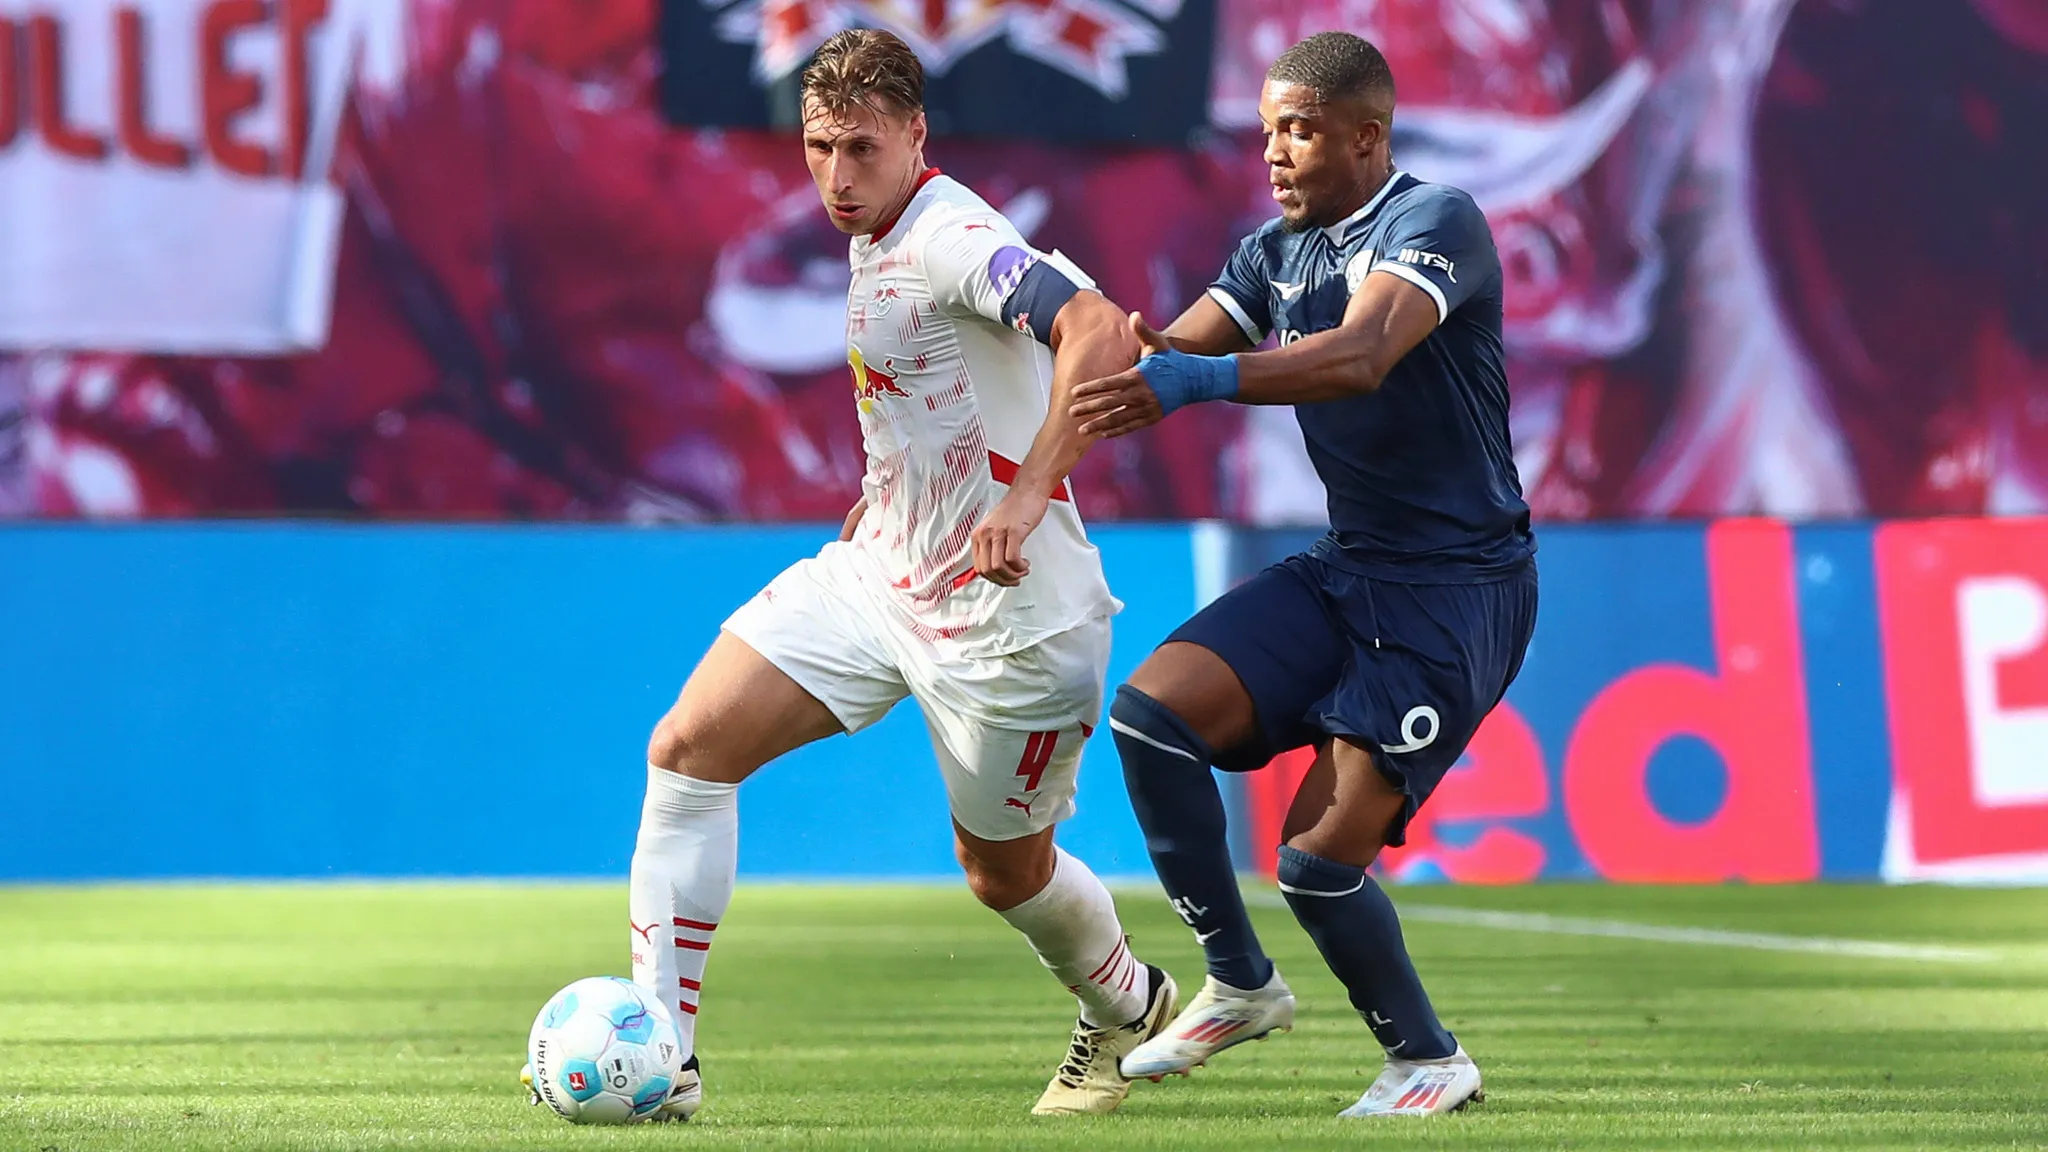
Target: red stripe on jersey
[
  {"x": 699, "y": 925},
  {"x": 963, "y": 579},
  {"x": 1003, "y": 470}
]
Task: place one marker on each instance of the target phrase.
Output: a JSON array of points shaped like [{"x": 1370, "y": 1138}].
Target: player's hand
[
  {"x": 1153, "y": 339},
  {"x": 1116, "y": 405},
  {"x": 860, "y": 509},
  {"x": 1125, "y": 402},
  {"x": 999, "y": 539}
]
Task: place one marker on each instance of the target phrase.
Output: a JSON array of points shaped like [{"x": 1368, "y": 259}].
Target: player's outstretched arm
[
  {"x": 1385, "y": 320},
  {"x": 1434, "y": 256},
  {"x": 1089, "y": 339},
  {"x": 1205, "y": 329}
]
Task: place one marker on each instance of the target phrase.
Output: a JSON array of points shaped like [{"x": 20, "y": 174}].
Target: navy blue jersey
[{"x": 1420, "y": 473}]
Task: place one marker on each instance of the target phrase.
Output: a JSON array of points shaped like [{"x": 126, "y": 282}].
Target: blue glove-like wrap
[{"x": 1180, "y": 379}]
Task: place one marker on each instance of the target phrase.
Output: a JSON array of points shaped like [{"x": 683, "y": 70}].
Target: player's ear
[
  {"x": 1371, "y": 132},
  {"x": 919, "y": 130}
]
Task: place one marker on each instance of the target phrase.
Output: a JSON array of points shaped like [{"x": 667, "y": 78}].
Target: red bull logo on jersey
[
  {"x": 1087, "y": 39},
  {"x": 871, "y": 383}
]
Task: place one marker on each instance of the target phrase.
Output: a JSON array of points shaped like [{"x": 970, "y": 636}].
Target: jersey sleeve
[
  {"x": 1245, "y": 290},
  {"x": 977, "y": 261},
  {"x": 1443, "y": 245}
]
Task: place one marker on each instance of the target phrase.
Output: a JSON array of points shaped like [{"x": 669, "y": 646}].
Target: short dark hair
[
  {"x": 1337, "y": 66},
  {"x": 865, "y": 67}
]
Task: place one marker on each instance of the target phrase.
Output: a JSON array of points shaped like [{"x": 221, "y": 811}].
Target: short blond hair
[{"x": 867, "y": 68}]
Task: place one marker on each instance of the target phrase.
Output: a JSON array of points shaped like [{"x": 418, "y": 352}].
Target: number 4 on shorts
[{"x": 1037, "y": 754}]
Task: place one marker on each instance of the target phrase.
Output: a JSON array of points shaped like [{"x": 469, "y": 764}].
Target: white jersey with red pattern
[{"x": 950, "y": 400}]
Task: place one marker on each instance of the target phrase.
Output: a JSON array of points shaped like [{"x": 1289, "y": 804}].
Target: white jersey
[{"x": 950, "y": 400}]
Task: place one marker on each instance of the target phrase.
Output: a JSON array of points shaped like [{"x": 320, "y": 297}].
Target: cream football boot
[{"x": 1088, "y": 1080}]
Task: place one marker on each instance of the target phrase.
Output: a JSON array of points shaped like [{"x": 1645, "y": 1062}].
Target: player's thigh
[
  {"x": 1428, "y": 663},
  {"x": 1008, "y": 730},
  {"x": 736, "y": 712},
  {"x": 1344, "y": 806},
  {"x": 1005, "y": 784},
  {"x": 797, "y": 663},
  {"x": 1245, "y": 670}
]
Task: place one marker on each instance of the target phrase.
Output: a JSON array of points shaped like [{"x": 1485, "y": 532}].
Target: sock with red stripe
[
  {"x": 1354, "y": 925},
  {"x": 684, "y": 864},
  {"x": 1073, "y": 927}
]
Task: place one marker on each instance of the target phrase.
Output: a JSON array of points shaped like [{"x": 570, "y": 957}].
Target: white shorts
[{"x": 1007, "y": 729}]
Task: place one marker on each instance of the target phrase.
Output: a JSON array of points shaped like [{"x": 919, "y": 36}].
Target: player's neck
[
  {"x": 1369, "y": 188},
  {"x": 920, "y": 175}
]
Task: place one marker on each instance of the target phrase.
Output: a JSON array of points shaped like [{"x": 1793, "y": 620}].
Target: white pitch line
[{"x": 1711, "y": 937}]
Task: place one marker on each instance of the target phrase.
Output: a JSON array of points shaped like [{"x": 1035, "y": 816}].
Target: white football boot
[
  {"x": 685, "y": 1096},
  {"x": 1219, "y": 1017},
  {"x": 1421, "y": 1087},
  {"x": 1088, "y": 1080}
]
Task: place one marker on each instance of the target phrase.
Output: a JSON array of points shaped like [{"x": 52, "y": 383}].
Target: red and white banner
[{"x": 164, "y": 171}]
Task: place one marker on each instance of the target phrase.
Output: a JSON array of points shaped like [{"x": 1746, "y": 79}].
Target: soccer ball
[{"x": 604, "y": 1051}]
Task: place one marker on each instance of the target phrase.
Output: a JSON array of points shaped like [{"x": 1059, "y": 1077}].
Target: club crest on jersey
[
  {"x": 871, "y": 383},
  {"x": 885, "y": 298},
  {"x": 1089, "y": 40},
  {"x": 1007, "y": 267},
  {"x": 1356, "y": 271}
]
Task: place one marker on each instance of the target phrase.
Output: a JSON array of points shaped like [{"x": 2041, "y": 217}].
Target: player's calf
[
  {"x": 684, "y": 865},
  {"x": 1166, "y": 771},
  {"x": 1070, "y": 921}
]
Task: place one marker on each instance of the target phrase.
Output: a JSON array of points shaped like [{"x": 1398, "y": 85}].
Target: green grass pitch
[{"x": 354, "y": 1017}]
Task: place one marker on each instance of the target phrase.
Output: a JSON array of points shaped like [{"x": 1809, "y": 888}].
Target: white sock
[
  {"x": 684, "y": 864},
  {"x": 1072, "y": 925}
]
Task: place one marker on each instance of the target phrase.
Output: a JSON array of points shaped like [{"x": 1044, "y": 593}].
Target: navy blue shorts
[{"x": 1406, "y": 671}]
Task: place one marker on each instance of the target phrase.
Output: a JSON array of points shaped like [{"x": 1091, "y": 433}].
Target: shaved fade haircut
[
  {"x": 865, "y": 68},
  {"x": 1339, "y": 67}
]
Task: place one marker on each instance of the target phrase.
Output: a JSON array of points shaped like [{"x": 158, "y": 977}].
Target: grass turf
[{"x": 357, "y": 1017}]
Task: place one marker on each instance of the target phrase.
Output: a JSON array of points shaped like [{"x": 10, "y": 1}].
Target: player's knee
[
  {"x": 1200, "y": 690},
  {"x": 1304, "y": 874},
  {"x": 677, "y": 743},
  {"x": 1006, "y": 879},
  {"x": 1139, "y": 722}
]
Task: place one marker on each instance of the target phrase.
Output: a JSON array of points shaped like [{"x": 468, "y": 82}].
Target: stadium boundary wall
[{"x": 1744, "y": 700}]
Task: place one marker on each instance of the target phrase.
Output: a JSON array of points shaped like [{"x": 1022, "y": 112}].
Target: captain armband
[{"x": 1045, "y": 289}]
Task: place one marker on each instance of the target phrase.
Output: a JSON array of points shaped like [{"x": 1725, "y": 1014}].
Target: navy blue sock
[
  {"x": 1166, "y": 769},
  {"x": 1354, "y": 926}
]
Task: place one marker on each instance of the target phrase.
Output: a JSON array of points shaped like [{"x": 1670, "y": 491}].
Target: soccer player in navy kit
[{"x": 1387, "y": 642}]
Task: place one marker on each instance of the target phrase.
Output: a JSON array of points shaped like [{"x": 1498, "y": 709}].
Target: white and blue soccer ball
[{"x": 604, "y": 1051}]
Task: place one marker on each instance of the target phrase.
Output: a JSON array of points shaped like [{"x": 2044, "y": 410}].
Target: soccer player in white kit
[{"x": 962, "y": 338}]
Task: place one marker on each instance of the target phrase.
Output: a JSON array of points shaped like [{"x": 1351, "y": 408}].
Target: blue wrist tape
[{"x": 1180, "y": 379}]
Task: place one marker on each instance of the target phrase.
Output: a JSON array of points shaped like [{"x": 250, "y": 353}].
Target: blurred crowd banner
[
  {"x": 541, "y": 259},
  {"x": 1749, "y": 701}
]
